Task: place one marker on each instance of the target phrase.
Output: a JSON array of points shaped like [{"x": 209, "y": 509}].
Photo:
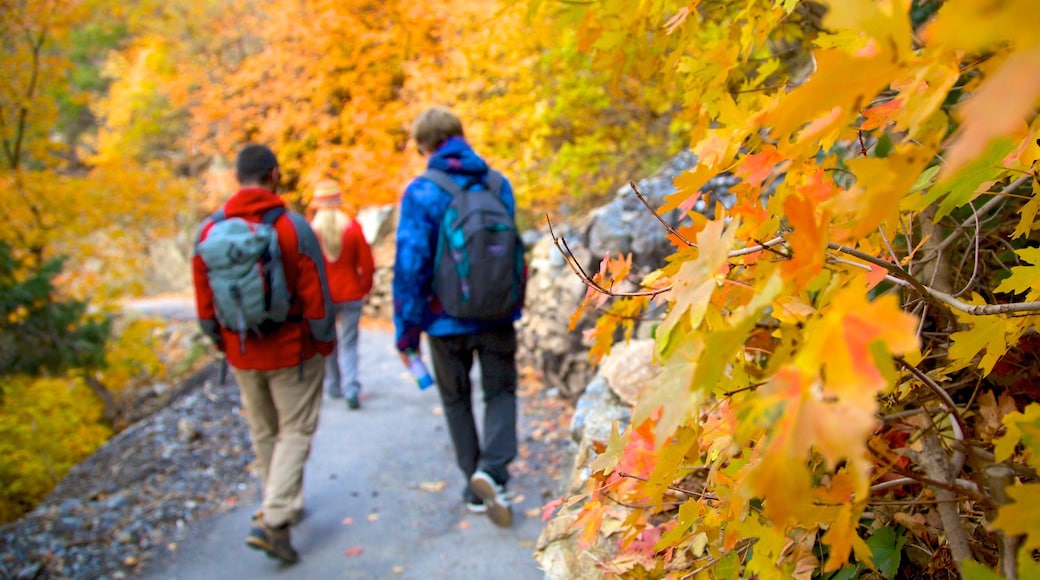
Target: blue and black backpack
[{"x": 478, "y": 271}]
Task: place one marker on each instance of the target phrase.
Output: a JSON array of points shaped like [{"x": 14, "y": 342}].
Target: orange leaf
[
  {"x": 757, "y": 167},
  {"x": 999, "y": 108},
  {"x": 355, "y": 551},
  {"x": 881, "y": 115}
]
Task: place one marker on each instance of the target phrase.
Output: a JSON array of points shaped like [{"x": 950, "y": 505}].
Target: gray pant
[
  {"x": 452, "y": 358},
  {"x": 341, "y": 367}
]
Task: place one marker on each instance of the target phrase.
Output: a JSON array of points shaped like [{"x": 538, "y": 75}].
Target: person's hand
[{"x": 404, "y": 357}]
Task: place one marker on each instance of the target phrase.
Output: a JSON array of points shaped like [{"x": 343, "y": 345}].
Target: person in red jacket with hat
[
  {"x": 279, "y": 372},
  {"x": 349, "y": 265}
]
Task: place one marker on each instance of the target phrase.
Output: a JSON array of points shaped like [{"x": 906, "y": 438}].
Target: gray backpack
[
  {"x": 245, "y": 272},
  {"x": 478, "y": 270}
]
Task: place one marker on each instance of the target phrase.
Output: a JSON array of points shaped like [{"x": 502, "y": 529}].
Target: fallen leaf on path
[
  {"x": 518, "y": 498},
  {"x": 397, "y": 569},
  {"x": 355, "y": 551},
  {"x": 438, "y": 411},
  {"x": 533, "y": 512},
  {"x": 549, "y": 508},
  {"x": 464, "y": 525},
  {"x": 348, "y": 521},
  {"x": 432, "y": 486},
  {"x": 373, "y": 517}
]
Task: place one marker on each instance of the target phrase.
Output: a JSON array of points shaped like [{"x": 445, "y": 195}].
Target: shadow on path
[{"x": 382, "y": 480}]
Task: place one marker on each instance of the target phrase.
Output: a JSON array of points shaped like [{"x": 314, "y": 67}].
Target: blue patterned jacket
[{"x": 416, "y": 309}]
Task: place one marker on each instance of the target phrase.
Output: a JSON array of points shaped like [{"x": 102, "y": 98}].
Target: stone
[{"x": 630, "y": 368}]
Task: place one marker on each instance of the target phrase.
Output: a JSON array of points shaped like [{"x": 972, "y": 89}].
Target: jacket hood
[
  {"x": 456, "y": 156},
  {"x": 252, "y": 202}
]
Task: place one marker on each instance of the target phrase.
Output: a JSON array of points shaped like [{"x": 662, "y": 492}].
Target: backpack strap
[
  {"x": 493, "y": 181},
  {"x": 442, "y": 180},
  {"x": 272, "y": 215}
]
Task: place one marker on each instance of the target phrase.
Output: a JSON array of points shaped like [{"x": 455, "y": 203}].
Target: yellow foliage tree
[{"x": 842, "y": 345}]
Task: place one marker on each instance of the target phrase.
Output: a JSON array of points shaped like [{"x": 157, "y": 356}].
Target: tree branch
[
  {"x": 653, "y": 211},
  {"x": 579, "y": 271}
]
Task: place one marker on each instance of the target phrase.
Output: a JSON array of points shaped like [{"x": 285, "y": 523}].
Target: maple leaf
[
  {"x": 1024, "y": 279},
  {"x": 832, "y": 92},
  {"x": 1022, "y": 516},
  {"x": 757, "y": 167},
  {"x": 697, "y": 279},
  {"x": 808, "y": 241},
  {"x": 610, "y": 457},
  {"x": 881, "y": 115},
  {"x": 688, "y": 186},
  {"x": 1028, "y": 213},
  {"x": 1022, "y": 427},
  {"x": 986, "y": 334},
  {"x": 999, "y": 108},
  {"x": 882, "y": 183}
]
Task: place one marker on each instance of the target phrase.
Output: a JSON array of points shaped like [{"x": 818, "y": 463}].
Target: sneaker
[
  {"x": 274, "y": 541},
  {"x": 493, "y": 495},
  {"x": 476, "y": 506},
  {"x": 353, "y": 403}
]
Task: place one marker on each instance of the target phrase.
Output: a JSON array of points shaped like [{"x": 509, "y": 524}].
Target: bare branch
[
  {"x": 653, "y": 211},
  {"x": 579, "y": 271},
  {"x": 997, "y": 199}
]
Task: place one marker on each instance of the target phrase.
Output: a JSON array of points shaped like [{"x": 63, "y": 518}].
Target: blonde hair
[
  {"x": 435, "y": 126},
  {"x": 329, "y": 225}
]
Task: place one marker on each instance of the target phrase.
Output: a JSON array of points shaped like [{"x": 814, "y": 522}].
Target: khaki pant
[{"x": 282, "y": 413}]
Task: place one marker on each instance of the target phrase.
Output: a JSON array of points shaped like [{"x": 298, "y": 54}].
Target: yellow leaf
[
  {"x": 831, "y": 89},
  {"x": 1021, "y": 426},
  {"x": 1023, "y": 515},
  {"x": 1024, "y": 279},
  {"x": 987, "y": 335}
]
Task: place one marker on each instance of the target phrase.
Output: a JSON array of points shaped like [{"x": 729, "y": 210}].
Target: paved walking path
[{"x": 383, "y": 499}]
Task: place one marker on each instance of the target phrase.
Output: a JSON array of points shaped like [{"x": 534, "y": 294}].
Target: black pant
[{"x": 452, "y": 358}]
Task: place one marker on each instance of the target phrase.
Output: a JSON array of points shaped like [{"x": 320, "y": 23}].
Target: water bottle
[{"x": 418, "y": 370}]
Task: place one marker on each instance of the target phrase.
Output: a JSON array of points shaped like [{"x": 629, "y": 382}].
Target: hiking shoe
[
  {"x": 353, "y": 403},
  {"x": 274, "y": 541},
  {"x": 493, "y": 495},
  {"x": 476, "y": 506}
]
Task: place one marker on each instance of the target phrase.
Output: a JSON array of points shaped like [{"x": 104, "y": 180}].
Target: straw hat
[{"x": 327, "y": 194}]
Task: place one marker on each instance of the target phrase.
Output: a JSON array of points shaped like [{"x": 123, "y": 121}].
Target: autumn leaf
[
  {"x": 1000, "y": 107},
  {"x": 879, "y": 116},
  {"x": 986, "y": 335},
  {"x": 1024, "y": 279},
  {"x": 757, "y": 167},
  {"x": 1022, "y": 516},
  {"x": 1022, "y": 426}
]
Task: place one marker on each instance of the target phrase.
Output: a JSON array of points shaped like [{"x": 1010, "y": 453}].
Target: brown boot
[{"x": 274, "y": 541}]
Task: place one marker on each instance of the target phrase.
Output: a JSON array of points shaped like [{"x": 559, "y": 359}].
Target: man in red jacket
[{"x": 279, "y": 372}]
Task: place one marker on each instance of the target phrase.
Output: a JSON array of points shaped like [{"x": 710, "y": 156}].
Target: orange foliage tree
[{"x": 848, "y": 366}]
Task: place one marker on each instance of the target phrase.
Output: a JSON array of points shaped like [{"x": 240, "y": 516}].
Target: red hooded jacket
[
  {"x": 310, "y": 329},
  {"x": 350, "y": 276}
]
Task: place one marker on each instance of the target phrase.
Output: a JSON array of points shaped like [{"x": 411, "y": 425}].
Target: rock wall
[
  {"x": 607, "y": 400},
  {"x": 622, "y": 226}
]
